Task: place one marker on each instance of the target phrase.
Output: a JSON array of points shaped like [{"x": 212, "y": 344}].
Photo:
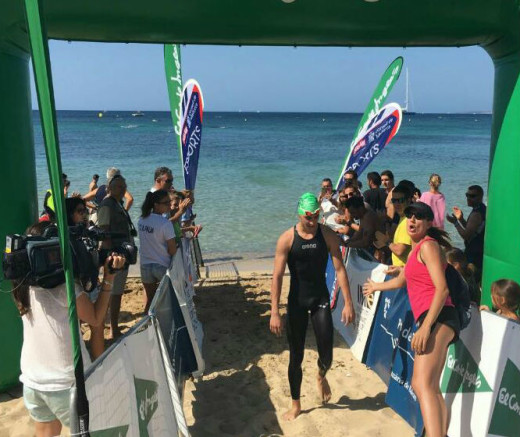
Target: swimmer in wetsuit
[{"x": 305, "y": 248}]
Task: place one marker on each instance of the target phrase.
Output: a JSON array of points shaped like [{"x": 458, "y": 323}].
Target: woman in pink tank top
[{"x": 434, "y": 313}]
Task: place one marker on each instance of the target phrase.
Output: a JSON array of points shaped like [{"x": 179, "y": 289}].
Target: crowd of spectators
[
  {"x": 375, "y": 220},
  {"x": 165, "y": 218}
]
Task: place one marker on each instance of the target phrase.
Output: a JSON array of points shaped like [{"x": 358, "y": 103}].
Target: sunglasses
[
  {"x": 309, "y": 215},
  {"x": 471, "y": 195},
  {"x": 398, "y": 200},
  {"x": 417, "y": 215}
]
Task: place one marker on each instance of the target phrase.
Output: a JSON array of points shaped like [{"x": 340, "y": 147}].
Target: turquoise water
[{"x": 254, "y": 166}]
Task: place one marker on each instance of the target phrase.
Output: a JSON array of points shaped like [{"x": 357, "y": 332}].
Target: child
[
  {"x": 505, "y": 295},
  {"x": 458, "y": 260}
]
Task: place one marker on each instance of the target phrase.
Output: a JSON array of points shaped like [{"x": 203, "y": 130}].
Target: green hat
[{"x": 308, "y": 204}]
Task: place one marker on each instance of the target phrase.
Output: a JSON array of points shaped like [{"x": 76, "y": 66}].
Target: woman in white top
[
  {"x": 156, "y": 240},
  {"x": 47, "y": 359}
]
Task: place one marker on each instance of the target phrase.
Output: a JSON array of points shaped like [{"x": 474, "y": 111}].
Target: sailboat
[{"x": 407, "y": 95}]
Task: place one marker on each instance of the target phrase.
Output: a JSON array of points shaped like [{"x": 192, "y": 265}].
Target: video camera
[{"x": 36, "y": 260}]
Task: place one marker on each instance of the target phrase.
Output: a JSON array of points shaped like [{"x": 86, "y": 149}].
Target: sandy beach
[{"x": 245, "y": 391}]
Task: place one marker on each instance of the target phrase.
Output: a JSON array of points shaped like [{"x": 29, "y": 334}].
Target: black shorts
[{"x": 449, "y": 317}]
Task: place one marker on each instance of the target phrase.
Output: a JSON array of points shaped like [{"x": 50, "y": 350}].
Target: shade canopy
[{"x": 273, "y": 22}]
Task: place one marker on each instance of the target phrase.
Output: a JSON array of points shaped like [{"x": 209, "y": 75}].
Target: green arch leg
[
  {"x": 17, "y": 191},
  {"x": 502, "y": 239}
]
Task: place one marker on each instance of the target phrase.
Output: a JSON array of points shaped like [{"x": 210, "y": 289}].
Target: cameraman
[
  {"x": 47, "y": 359},
  {"x": 77, "y": 214},
  {"x": 112, "y": 217}
]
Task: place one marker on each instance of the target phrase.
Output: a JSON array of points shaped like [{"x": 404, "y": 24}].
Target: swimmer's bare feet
[
  {"x": 294, "y": 412},
  {"x": 324, "y": 389}
]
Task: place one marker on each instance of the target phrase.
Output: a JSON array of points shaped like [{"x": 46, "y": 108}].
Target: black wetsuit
[{"x": 308, "y": 293}]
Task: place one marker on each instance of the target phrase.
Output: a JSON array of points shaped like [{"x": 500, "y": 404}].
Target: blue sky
[{"x": 98, "y": 76}]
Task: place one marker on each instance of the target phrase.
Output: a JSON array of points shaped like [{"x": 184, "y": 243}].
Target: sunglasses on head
[
  {"x": 398, "y": 199},
  {"x": 417, "y": 215}
]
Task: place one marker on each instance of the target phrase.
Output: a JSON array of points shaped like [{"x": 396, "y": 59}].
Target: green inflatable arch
[{"x": 492, "y": 24}]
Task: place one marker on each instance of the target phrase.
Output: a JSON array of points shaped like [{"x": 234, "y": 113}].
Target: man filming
[{"x": 112, "y": 217}]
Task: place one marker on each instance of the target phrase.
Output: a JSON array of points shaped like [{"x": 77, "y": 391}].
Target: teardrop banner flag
[
  {"x": 385, "y": 85},
  {"x": 172, "y": 65},
  {"x": 374, "y": 136},
  {"x": 192, "y": 110}
]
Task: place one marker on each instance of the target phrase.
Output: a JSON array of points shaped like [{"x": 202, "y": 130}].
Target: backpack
[{"x": 459, "y": 293}]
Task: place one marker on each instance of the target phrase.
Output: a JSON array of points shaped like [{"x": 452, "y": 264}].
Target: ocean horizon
[{"x": 254, "y": 165}]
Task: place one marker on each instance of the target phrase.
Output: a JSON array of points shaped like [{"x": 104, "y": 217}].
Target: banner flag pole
[{"x": 43, "y": 79}]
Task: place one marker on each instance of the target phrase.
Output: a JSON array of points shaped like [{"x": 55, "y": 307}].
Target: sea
[{"x": 254, "y": 166}]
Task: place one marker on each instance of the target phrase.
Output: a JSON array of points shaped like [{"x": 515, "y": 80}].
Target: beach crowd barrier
[
  {"x": 135, "y": 387},
  {"x": 481, "y": 377}
]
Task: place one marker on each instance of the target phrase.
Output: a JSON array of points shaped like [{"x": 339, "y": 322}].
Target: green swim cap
[{"x": 308, "y": 204}]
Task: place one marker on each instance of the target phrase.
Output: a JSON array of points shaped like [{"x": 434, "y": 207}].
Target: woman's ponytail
[
  {"x": 150, "y": 200},
  {"x": 147, "y": 207},
  {"x": 440, "y": 236}
]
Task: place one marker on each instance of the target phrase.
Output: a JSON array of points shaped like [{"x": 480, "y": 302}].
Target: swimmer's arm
[
  {"x": 348, "y": 314},
  {"x": 280, "y": 262},
  {"x": 333, "y": 244},
  {"x": 129, "y": 200}
]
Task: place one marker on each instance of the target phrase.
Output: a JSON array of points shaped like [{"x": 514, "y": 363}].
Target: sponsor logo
[
  {"x": 309, "y": 246},
  {"x": 461, "y": 373},
  {"x": 147, "y": 402},
  {"x": 359, "y": 146},
  {"x": 192, "y": 109},
  {"x": 386, "y": 307},
  {"x": 184, "y": 134},
  {"x": 191, "y": 147},
  {"x": 404, "y": 383},
  {"x": 177, "y": 79},
  {"x": 505, "y": 420},
  {"x": 384, "y": 91}
]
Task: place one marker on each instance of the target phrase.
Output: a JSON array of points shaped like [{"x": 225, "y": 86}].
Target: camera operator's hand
[{"x": 113, "y": 263}]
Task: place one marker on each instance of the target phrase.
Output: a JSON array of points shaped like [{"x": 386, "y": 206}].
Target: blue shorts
[
  {"x": 46, "y": 406},
  {"x": 152, "y": 273}
]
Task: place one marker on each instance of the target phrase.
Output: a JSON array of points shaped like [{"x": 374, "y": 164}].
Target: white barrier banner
[
  {"x": 481, "y": 379},
  {"x": 358, "y": 271},
  {"x": 129, "y": 392},
  {"x": 190, "y": 273},
  {"x": 176, "y": 272}
]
